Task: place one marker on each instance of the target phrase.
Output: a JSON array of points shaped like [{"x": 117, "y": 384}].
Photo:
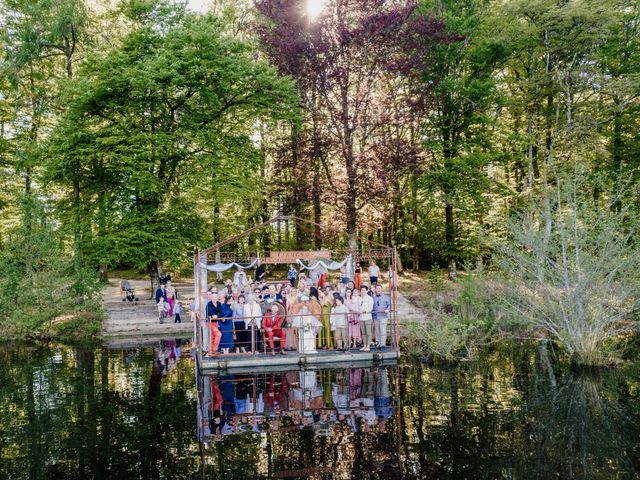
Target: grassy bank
[
  {"x": 77, "y": 323},
  {"x": 475, "y": 310}
]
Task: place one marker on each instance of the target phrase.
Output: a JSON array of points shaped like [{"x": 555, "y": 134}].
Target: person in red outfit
[{"x": 272, "y": 327}]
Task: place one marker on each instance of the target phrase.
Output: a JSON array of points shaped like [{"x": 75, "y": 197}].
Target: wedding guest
[
  {"x": 253, "y": 321},
  {"x": 272, "y": 323},
  {"x": 340, "y": 323},
  {"x": 380, "y": 314},
  {"x": 292, "y": 274},
  {"x": 353, "y": 305},
  {"x": 241, "y": 333},
  {"x": 225, "y": 324},
  {"x": 171, "y": 296},
  {"x": 326, "y": 340},
  {"x": 374, "y": 273},
  {"x": 213, "y": 314},
  {"x": 366, "y": 328},
  {"x": 240, "y": 279}
]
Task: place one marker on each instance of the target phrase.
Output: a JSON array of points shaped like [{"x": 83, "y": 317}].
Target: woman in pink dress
[
  {"x": 353, "y": 305},
  {"x": 171, "y": 297}
]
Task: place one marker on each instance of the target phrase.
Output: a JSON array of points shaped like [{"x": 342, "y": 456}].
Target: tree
[
  {"x": 459, "y": 126},
  {"x": 578, "y": 282},
  {"x": 37, "y": 34},
  {"x": 149, "y": 118},
  {"x": 339, "y": 60}
]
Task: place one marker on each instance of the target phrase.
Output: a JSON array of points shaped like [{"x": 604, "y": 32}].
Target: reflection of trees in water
[
  {"x": 581, "y": 426},
  {"x": 77, "y": 413},
  {"x": 470, "y": 421}
]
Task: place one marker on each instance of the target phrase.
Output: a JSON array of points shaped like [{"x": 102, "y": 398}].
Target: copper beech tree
[{"x": 343, "y": 60}]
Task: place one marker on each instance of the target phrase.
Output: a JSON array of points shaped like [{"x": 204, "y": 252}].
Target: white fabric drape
[
  {"x": 223, "y": 267},
  {"x": 329, "y": 265}
]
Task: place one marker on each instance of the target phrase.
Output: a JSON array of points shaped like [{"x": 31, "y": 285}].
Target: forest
[{"x": 470, "y": 134}]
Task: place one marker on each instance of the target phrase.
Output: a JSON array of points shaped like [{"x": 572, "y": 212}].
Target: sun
[{"x": 314, "y": 8}]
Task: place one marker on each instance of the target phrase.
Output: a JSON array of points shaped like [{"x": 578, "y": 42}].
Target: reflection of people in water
[
  {"x": 358, "y": 398},
  {"x": 277, "y": 395},
  {"x": 215, "y": 419},
  {"x": 382, "y": 399}
]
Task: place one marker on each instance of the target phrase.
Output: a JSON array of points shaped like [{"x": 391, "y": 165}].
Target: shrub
[{"x": 572, "y": 271}]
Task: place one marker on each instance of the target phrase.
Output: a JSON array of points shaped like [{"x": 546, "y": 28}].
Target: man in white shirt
[
  {"x": 374, "y": 273},
  {"x": 253, "y": 316},
  {"x": 366, "y": 320}
]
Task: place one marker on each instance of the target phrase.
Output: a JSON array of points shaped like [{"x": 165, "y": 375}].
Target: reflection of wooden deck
[{"x": 294, "y": 361}]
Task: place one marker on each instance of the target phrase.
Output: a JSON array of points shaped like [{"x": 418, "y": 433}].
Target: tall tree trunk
[
  {"x": 69, "y": 49},
  {"x": 414, "y": 219},
  {"x": 77, "y": 228},
  {"x": 28, "y": 222},
  {"x": 298, "y": 197},
  {"x": 155, "y": 270},
  {"x": 264, "y": 205},
  {"x": 317, "y": 207},
  {"x": 450, "y": 239}
]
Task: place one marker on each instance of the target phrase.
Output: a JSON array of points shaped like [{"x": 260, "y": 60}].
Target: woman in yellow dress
[{"x": 325, "y": 338}]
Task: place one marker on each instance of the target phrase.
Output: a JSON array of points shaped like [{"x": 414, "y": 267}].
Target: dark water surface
[{"x": 72, "y": 412}]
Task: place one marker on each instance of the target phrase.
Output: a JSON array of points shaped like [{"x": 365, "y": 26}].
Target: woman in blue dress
[{"x": 225, "y": 324}]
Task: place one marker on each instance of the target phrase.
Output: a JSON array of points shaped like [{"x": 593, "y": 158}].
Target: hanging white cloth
[
  {"x": 328, "y": 265},
  {"x": 223, "y": 267}
]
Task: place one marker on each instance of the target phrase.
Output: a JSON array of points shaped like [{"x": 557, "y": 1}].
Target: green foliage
[
  {"x": 49, "y": 288},
  {"x": 155, "y": 124},
  {"x": 455, "y": 331},
  {"x": 571, "y": 271}
]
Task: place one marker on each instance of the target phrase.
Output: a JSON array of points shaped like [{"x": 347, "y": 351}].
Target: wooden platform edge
[{"x": 267, "y": 364}]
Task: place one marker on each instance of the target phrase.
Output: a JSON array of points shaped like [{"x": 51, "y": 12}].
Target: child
[
  {"x": 163, "y": 309},
  {"x": 177, "y": 310},
  {"x": 339, "y": 323},
  {"x": 292, "y": 274}
]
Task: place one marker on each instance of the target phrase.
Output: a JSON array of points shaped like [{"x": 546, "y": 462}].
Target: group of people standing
[
  {"x": 167, "y": 302},
  {"x": 249, "y": 317}
]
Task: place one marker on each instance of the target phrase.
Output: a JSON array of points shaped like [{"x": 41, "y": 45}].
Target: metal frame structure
[{"x": 370, "y": 250}]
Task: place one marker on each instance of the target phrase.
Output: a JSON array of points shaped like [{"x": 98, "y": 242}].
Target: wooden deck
[{"x": 260, "y": 363}]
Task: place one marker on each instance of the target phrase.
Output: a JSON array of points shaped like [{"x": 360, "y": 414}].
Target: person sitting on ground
[{"x": 272, "y": 327}]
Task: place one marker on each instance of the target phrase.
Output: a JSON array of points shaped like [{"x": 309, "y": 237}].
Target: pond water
[{"x": 77, "y": 412}]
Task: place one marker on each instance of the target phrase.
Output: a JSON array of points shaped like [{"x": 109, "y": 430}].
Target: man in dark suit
[{"x": 161, "y": 292}]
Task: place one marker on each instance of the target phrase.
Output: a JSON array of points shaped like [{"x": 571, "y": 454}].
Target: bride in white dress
[{"x": 308, "y": 327}]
